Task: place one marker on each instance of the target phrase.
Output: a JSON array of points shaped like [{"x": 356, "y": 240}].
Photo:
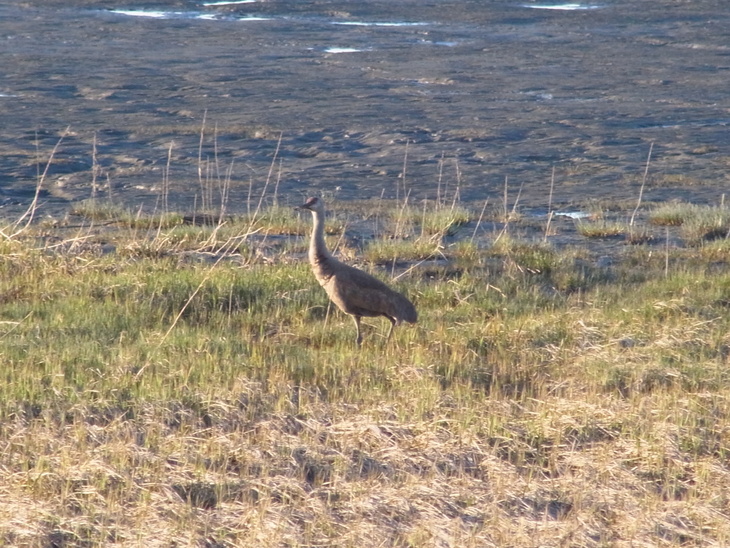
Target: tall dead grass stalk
[{"x": 29, "y": 214}]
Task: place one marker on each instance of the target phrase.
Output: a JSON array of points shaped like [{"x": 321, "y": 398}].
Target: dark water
[{"x": 458, "y": 93}]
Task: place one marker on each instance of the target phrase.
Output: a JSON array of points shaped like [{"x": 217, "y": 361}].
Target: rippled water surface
[{"x": 366, "y": 98}]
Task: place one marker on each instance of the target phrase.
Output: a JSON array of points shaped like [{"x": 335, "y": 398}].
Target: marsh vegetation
[{"x": 172, "y": 383}]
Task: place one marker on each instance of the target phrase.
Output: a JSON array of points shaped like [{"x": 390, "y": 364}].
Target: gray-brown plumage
[{"x": 355, "y": 292}]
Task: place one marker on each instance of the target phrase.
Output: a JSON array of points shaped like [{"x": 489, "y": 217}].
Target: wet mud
[{"x": 362, "y": 99}]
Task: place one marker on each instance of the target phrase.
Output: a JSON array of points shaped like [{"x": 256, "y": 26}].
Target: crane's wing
[{"x": 358, "y": 293}]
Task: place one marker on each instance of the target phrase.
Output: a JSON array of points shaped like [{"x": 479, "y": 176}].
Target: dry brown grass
[
  {"x": 157, "y": 400},
  {"x": 562, "y": 473}
]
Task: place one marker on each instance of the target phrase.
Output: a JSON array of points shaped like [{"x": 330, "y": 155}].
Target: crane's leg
[
  {"x": 359, "y": 332},
  {"x": 390, "y": 331}
]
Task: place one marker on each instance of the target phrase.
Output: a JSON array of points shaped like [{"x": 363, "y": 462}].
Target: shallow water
[{"x": 457, "y": 94}]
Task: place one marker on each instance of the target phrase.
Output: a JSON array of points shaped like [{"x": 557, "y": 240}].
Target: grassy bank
[{"x": 169, "y": 384}]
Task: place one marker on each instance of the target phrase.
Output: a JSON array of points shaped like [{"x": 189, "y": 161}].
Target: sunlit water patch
[
  {"x": 229, "y": 3},
  {"x": 335, "y": 49},
  {"x": 443, "y": 43},
  {"x": 576, "y": 215},
  {"x": 216, "y": 16},
  {"x": 146, "y": 13},
  {"x": 250, "y": 18},
  {"x": 157, "y": 14},
  {"x": 560, "y": 7},
  {"x": 538, "y": 95},
  {"x": 379, "y": 24}
]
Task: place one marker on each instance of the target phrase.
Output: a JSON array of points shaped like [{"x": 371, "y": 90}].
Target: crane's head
[{"x": 313, "y": 204}]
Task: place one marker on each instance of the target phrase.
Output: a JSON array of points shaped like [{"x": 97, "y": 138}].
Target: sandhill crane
[{"x": 355, "y": 292}]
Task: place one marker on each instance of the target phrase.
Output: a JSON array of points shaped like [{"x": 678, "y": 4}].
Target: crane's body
[{"x": 355, "y": 292}]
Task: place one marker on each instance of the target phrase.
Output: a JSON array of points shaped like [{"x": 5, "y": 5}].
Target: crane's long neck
[{"x": 318, "y": 252}]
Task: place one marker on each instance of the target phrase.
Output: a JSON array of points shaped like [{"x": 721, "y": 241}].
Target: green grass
[
  {"x": 426, "y": 220},
  {"x": 601, "y": 228},
  {"x": 385, "y": 251},
  {"x": 698, "y": 223},
  {"x": 151, "y": 397},
  {"x": 108, "y": 213}
]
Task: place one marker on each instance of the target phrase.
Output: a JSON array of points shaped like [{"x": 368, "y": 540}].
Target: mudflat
[{"x": 359, "y": 100}]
